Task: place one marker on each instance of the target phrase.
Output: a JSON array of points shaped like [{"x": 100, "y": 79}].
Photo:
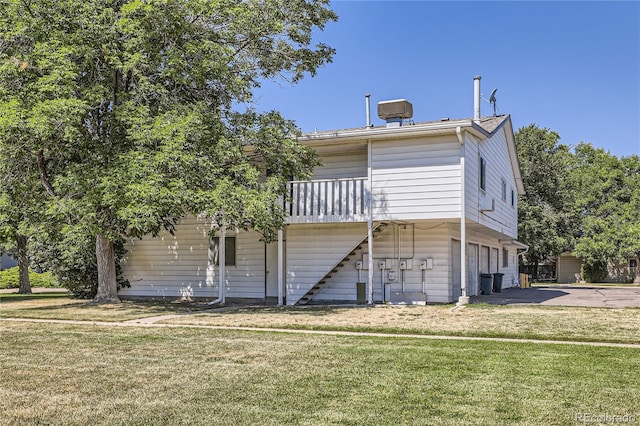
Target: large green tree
[
  {"x": 132, "y": 110},
  {"x": 607, "y": 192},
  {"x": 546, "y": 222}
]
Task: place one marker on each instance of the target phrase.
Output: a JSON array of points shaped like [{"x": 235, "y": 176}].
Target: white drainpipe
[
  {"x": 221, "y": 268},
  {"x": 464, "y": 298},
  {"x": 370, "y": 228},
  {"x": 280, "y": 267}
]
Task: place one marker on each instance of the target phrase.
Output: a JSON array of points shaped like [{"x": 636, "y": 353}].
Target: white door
[
  {"x": 271, "y": 268},
  {"x": 484, "y": 260},
  {"x": 472, "y": 270},
  {"x": 495, "y": 256}
]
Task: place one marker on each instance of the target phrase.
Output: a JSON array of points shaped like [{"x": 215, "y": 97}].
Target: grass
[
  {"x": 61, "y": 306},
  {"x": 478, "y": 320},
  {"x": 532, "y": 322},
  {"x": 78, "y": 375}
]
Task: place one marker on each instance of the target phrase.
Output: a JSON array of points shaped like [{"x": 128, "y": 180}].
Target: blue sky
[{"x": 573, "y": 66}]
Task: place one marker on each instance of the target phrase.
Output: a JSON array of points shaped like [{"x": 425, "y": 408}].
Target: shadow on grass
[{"x": 11, "y": 297}]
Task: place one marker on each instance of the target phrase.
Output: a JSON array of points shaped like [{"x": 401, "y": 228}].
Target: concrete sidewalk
[{"x": 594, "y": 297}]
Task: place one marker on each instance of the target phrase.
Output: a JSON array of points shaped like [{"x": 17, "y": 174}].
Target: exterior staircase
[{"x": 307, "y": 298}]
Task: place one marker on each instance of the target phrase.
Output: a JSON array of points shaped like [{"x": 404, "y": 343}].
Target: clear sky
[{"x": 572, "y": 66}]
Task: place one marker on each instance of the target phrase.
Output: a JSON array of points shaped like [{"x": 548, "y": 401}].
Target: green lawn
[
  {"x": 79, "y": 375},
  {"x": 481, "y": 320},
  {"x": 61, "y": 306}
]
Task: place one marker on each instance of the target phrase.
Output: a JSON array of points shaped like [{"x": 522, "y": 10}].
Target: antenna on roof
[{"x": 492, "y": 100}]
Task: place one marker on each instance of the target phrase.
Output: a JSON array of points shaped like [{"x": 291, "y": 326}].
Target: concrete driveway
[{"x": 596, "y": 297}]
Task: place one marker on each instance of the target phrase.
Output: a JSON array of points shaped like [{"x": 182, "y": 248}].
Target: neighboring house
[
  {"x": 569, "y": 269},
  {"x": 7, "y": 260},
  {"x": 384, "y": 210}
]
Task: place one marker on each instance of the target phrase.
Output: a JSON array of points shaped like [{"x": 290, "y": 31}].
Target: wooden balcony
[{"x": 328, "y": 200}]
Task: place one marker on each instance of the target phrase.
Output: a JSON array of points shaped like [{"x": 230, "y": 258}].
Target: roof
[{"x": 484, "y": 127}]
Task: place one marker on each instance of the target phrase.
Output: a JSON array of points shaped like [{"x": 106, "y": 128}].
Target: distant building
[{"x": 7, "y": 260}]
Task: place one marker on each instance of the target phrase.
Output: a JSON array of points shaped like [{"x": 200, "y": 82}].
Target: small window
[
  {"x": 483, "y": 174},
  {"x": 513, "y": 197},
  {"x": 505, "y": 258},
  {"x": 230, "y": 251},
  {"x": 633, "y": 263},
  {"x": 504, "y": 189}
]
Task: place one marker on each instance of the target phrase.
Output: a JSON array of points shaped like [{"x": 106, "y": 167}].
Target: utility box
[
  {"x": 426, "y": 264},
  {"x": 397, "y": 108},
  {"x": 382, "y": 264},
  {"x": 358, "y": 264},
  {"x": 406, "y": 264},
  {"x": 392, "y": 275}
]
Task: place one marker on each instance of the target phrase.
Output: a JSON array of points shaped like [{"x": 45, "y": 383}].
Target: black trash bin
[
  {"x": 485, "y": 283},
  {"x": 497, "y": 282}
]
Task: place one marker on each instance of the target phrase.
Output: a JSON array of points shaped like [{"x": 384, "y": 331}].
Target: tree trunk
[
  {"x": 23, "y": 265},
  {"x": 636, "y": 280},
  {"x": 107, "y": 284}
]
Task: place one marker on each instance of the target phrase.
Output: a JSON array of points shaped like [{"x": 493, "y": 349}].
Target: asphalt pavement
[{"x": 587, "y": 296}]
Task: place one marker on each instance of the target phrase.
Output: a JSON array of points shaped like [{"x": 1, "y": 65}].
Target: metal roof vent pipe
[
  {"x": 395, "y": 111},
  {"x": 476, "y": 98},
  {"x": 368, "y": 109}
]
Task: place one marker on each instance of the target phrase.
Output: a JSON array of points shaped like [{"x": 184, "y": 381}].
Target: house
[
  {"x": 569, "y": 270},
  {"x": 7, "y": 260},
  {"x": 400, "y": 213}
]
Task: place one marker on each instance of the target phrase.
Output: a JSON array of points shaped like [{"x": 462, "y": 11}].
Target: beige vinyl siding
[
  {"x": 431, "y": 241},
  {"x": 415, "y": 179},
  {"x": 472, "y": 177},
  {"x": 343, "y": 165},
  {"x": 504, "y": 217},
  {"x": 314, "y": 250},
  {"x": 170, "y": 265},
  {"x": 177, "y": 265}
]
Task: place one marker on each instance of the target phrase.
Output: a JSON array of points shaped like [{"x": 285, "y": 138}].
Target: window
[
  {"x": 504, "y": 189},
  {"x": 633, "y": 263},
  {"x": 483, "y": 174},
  {"x": 513, "y": 197},
  {"x": 505, "y": 258},
  {"x": 229, "y": 251}
]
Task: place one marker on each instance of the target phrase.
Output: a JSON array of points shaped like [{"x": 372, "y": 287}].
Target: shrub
[
  {"x": 9, "y": 278},
  {"x": 594, "y": 272}
]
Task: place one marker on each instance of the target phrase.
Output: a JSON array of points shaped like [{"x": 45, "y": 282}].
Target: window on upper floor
[
  {"x": 503, "y": 186},
  {"x": 483, "y": 174},
  {"x": 513, "y": 197}
]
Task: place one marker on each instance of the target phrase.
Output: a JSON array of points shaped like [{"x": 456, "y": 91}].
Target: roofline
[{"x": 438, "y": 127}]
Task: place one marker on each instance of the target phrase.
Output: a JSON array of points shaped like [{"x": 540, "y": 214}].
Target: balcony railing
[{"x": 328, "y": 200}]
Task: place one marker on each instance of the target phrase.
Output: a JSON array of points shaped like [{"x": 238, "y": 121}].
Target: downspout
[
  {"x": 464, "y": 298},
  {"x": 221, "y": 268},
  {"x": 370, "y": 227},
  {"x": 280, "y": 267}
]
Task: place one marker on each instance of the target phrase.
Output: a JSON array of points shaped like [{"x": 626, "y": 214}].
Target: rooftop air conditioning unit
[{"x": 398, "y": 108}]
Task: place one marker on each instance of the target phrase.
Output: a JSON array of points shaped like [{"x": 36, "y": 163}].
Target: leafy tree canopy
[
  {"x": 608, "y": 199},
  {"x": 126, "y": 110},
  {"x": 583, "y": 200},
  {"x": 544, "y": 221}
]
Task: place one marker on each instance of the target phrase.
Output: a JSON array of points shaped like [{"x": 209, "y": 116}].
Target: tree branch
[{"x": 44, "y": 177}]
